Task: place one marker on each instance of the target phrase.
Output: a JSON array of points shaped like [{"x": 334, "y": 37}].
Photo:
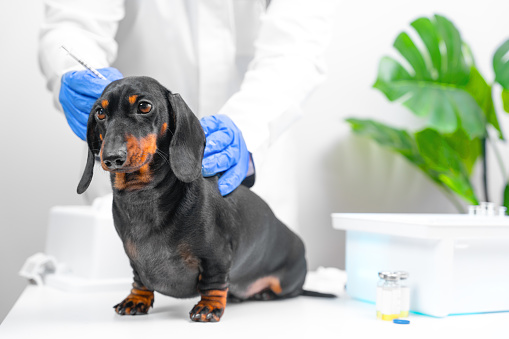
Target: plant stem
[
  {"x": 499, "y": 159},
  {"x": 485, "y": 168}
]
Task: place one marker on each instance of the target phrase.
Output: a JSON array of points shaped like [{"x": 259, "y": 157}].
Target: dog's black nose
[{"x": 115, "y": 160}]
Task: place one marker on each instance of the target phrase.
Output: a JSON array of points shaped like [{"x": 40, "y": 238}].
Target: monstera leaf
[
  {"x": 501, "y": 68},
  {"x": 444, "y": 163},
  {"x": 440, "y": 82},
  {"x": 435, "y": 154},
  {"x": 397, "y": 140},
  {"x": 437, "y": 80}
]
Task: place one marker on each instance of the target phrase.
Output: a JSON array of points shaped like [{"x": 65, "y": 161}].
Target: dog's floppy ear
[
  {"x": 93, "y": 142},
  {"x": 188, "y": 141}
]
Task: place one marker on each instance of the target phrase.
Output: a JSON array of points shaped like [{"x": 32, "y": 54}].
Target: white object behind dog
[{"x": 85, "y": 249}]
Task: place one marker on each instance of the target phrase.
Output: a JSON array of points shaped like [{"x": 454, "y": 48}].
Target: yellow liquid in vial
[
  {"x": 404, "y": 314},
  {"x": 388, "y": 317}
]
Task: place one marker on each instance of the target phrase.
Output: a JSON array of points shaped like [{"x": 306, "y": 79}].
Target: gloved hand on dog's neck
[{"x": 225, "y": 153}]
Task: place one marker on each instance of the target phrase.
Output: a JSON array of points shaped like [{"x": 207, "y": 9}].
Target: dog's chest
[
  {"x": 163, "y": 263},
  {"x": 168, "y": 268}
]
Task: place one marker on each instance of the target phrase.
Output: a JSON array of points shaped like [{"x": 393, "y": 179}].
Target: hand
[
  {"x": 225, "y": 151},
  {"x": 79, "y": 91}
]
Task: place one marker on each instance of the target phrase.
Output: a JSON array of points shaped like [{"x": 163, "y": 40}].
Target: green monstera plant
[{"x": 439, "y": 82}]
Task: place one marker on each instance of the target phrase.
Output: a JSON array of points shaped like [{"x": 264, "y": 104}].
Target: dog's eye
[
  {"x": 100, "y": 114},
  {"x": 144, "y": 107}
]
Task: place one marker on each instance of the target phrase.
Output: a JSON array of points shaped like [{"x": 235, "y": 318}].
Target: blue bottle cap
[{"x": 401, "y": 321}]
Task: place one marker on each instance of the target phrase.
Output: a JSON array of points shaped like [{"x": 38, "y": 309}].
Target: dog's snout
[{"x": 115, "y": 159}]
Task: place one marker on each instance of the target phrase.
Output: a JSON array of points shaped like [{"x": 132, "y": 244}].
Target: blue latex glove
[
  {"x": 225, "y": 151},
  {"x": 78, "y": 92}
]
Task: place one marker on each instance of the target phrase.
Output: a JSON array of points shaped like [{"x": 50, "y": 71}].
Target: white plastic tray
[
  {"x": 457, "y": 263},
  {"x": 424, "y": 226}
]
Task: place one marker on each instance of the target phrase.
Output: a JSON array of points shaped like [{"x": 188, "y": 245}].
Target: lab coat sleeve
[
  {"x": 86, "y": 27},
  {"x": 288, "y": 64}
]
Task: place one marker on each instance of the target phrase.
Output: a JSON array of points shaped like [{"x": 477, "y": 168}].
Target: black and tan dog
[{"x": 182, "y": 237}]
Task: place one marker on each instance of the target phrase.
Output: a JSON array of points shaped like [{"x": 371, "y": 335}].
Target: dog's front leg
[
  {"x": 213, "y": 288},
  {"x": 138, "y": 301}
]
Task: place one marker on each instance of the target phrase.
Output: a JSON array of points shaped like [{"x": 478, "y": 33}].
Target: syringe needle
[{"x": 84, "y": 64}]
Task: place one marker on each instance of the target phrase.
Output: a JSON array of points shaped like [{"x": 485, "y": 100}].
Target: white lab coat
[{"x": 253, "y": 60}]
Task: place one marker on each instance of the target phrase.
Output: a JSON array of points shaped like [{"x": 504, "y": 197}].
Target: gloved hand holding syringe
[
  {"x": 80, "y": 89},
  {"x": 84, "y": 64}
]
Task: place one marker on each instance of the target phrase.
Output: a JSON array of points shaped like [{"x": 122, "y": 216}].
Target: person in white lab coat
[{"x": 254, "y": 61}]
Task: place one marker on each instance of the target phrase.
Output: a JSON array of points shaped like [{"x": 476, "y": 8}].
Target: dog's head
[{"x": 136, "y": 120}]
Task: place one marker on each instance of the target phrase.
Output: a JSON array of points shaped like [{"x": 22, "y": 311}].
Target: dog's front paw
[
  {"x": 206, "y": 313},
  {"x": 211, "y": 306},
  {"x": 138, "y": 302}
]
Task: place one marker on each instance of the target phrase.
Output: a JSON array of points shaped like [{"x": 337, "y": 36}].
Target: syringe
[{"x": 84, "y": 64}]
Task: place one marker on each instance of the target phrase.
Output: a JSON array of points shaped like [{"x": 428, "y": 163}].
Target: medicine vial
[
  {"x": 379, "y": 290},
  {"x": 405, "y": 294},
  {"x": 487, "y": 209},
  {"x": 388, "y": 303}
]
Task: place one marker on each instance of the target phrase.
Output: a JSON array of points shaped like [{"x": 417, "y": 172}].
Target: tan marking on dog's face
[
  {"x": 101, "y": 157},
  {"x": 137, "y": 166},
  {"x": 105, "y": 103},
  {"x": 163, "y": 129},
  {"x": 133, "y": 181},
  {"x": 139, "y": 150},
  {"x": 132, "y": 99}
]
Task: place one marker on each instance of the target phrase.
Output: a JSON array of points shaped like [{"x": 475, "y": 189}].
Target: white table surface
[{"x": 45, "y": 312}]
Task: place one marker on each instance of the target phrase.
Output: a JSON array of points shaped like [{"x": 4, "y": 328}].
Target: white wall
[{"x": 42, "y": 160}]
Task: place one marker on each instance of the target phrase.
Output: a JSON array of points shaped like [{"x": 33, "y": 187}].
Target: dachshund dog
[{"x": 183, "y": 238}]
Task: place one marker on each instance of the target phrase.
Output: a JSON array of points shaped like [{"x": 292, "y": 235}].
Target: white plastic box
[
  {"x": 89, "y": 253},
  {"x": 458, "y": 264}
]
